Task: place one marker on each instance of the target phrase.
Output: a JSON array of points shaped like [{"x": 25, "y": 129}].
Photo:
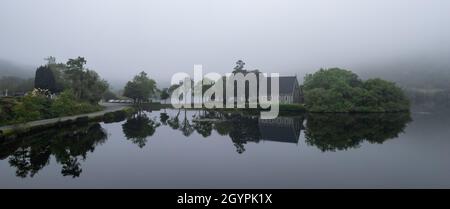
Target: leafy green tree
[
  {"x": 93, "y": 87},
  {"x": 239, "y": 66},
  {"x": 386, "y": 95},
  {"x": 108, "y": 95},
  {"x": 65, "y": 104},
  {"x": 31, "y": 108},
  {"x": 165, "y": 94},
  {"x": 140, "y": 89},
  {"x": 85, "y": 84},
  {"x": 6, "y": 110}
]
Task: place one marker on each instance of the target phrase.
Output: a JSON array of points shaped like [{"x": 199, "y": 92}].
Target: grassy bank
[
  {"x": 32, "y": 108},
  {"x": 110, "y": 117}
]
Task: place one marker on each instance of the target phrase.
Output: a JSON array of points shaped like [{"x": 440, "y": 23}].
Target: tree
[
  {"x": 45, "y": 79},
  {"x": 64, "y": 104},
  {"x": 76, "y": 64},
  {"x": 31, "y": 108},
  {"x": 93, "y": 87},
  {"x": 85, "y": 84},
  {"x": 239, "y": 68},
  {"x": 109, "y": 95},
  {"x": 51, "y": 60},
  {"x": 141, "y": 88},
  {"x": 165, "y": 94}
]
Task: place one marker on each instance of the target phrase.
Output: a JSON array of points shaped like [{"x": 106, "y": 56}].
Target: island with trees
[{"x": 342, "y": 91}]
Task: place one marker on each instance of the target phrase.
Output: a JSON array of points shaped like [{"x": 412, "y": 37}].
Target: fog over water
[{"x": 121, "y": 38}]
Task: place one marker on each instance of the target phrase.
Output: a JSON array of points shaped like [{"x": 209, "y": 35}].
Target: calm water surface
[{"x": 197, "y": 149}]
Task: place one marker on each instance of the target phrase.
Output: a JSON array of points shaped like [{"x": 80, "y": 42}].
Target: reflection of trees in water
[
  {"x": 174, "y": 122},
  {"x": 29, "y": 161},
  {"x": 332, "y": 132},
  {"x": 138, "y": 128},
  {"x": 32, "y": 153},
  {"x": 202, "y": 126},
  {"x": 186, "y": 126},
  {"x": 328, "y": 132},
  {"x": 241, "y": 129},
  {"x": 163, "y": 117},
  {"x": 71, "y": 167},
  {"x": 244, "y": 129}
]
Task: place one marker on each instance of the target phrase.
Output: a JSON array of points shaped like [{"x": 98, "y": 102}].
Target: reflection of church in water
[{"x": 281, "y": 129}]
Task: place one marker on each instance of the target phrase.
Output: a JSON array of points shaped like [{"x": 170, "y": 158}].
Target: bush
[
  {"x": 292, "y": 107},
  {"x": 6, "y": 109},
  {"x": 31, "y": 108},
  {"x": 37, "y": 107},
  {"x": 65, "y": 104}
]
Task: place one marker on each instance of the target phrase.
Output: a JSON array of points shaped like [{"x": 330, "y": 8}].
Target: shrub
[
  {"x": 31, "y": 108},
  {"x": 64, "y": 104},
  {"x": 292, "y": 107}
]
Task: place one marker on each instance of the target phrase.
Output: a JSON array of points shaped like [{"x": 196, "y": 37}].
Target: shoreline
[{"x": 47, "y": 123}]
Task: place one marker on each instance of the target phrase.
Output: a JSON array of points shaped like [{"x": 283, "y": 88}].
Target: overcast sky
[{"x": 119, "y": 38}]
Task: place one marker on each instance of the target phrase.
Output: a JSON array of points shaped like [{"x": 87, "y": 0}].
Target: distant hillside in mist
[
  {"x": 421, "y": 72},
  {"x": 8, "y": 68}
]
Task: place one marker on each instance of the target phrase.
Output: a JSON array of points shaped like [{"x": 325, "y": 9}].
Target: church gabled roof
[{"x": 287, "y": 84}]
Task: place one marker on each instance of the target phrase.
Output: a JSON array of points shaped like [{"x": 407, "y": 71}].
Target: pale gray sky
[{"x": 119, "y": 38}]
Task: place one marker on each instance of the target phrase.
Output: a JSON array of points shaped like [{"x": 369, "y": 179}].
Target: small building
[{"x": 290, "y": 90}]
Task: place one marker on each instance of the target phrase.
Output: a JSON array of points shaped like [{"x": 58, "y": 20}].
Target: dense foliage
[
  {"x": 338, "y": 90},
  {"x": 141, "y": 88},
  {"x": 39, "y": 106},
  {"x": 60, "y": 90},
  {"x": 164, "y": 94},
  {"x": 45, "y": 79},
  {"x": 85, "y": 84}
]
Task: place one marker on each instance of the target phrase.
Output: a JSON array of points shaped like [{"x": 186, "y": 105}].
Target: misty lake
[{"x": 199, "y": 149}]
